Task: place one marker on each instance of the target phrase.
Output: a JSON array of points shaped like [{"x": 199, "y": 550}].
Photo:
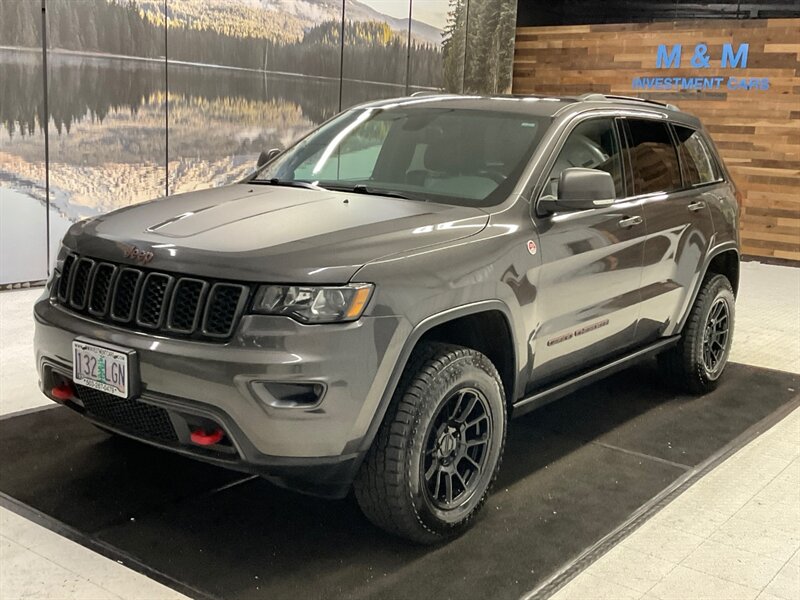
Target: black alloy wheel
[
  {"x": 432, "y": 464},
  {"x": 697, "y": 362},
  {"x": 715, "y": 336},
  {"x": 456, "y": 448}
]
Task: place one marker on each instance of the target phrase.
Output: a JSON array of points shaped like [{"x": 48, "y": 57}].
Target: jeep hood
[{"x": 253, "y": 232}]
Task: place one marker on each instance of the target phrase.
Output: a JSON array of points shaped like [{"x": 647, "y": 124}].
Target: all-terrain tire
[
  {"x": 685, "y": 365},
  {"x": 393, "y": 487}
]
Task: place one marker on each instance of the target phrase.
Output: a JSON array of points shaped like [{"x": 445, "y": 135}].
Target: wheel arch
[
  {"x": 453, "y": 326},
  {"x": 722, "y": 260}
]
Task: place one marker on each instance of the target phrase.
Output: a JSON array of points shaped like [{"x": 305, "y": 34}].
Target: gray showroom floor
[{"x": 734, "y": 534}]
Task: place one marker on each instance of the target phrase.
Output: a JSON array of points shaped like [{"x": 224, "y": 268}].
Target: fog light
[{"x": 288, "y": 395}]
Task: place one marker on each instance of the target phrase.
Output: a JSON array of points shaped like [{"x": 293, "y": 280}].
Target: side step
[{"x": 554, "y": 392}]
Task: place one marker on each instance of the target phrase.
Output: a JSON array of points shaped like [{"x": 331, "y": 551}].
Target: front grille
[
  {"x": 101, "y": 288},
  {"x": 131, "y": 416},
  {"x": 146, "y": 300},
  {"x": 152, "y": 307}
]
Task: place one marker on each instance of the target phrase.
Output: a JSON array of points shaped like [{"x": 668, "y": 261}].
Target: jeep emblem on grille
[{"x": 140, "y": 256}]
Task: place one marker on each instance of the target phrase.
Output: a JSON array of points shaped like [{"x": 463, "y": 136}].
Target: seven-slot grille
[{"x": 148, "y": 300}]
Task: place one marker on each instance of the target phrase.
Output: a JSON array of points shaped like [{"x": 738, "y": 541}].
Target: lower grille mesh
[{"x": 130, "y": 416}]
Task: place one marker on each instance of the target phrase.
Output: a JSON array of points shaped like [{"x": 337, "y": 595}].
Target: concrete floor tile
[
  {"x": 630, "y": 568},
  {"x": 30, "y": 539},
  {"x": 707, "y": 497},
  {"x": 782, "y": 489},
  {"x": 768, "y": 596},
  {"x": 688, "y": 517},
  {"x": 786, "y": 583},
  {"x": 28, "y": 575},
  {"x": 759, "y": 538},
  {"x": 733, "y": 564},
  {"x": 111, "y": 575},
  {"x": 589, "y": 587},
  {"x": 782, "y": 515},
  {"x": 666, "y": 543},
  {"x": 21, "y": 530},
  {"x": 19, "y": 389},
  {"x": 687, "y": 584}
]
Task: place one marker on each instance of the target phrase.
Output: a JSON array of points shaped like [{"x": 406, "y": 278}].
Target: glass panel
[
  {"x": 653, "y": 157},
  {"x": 106, "y": 86},
  {"x": 454, "y": 44},
  {"x": 243, "y": 78},
  {"x": 696, "y": 162},
  {"x": 432, "y": 27},
  {"x": 23, "y": 202},
  {"x": 409, "y": 150},
  {"x": 491, "y": 28},
  {"x": 591, "y": 145},
  {"x": 375, "y": 51},
  {"x": 353, "y": 160}
]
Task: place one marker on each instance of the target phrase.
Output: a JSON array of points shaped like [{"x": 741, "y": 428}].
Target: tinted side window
[
  {"x": 592, "y": 145},
  {"x": 653, "y": 157},
  {"x": 696, "y": 162}
]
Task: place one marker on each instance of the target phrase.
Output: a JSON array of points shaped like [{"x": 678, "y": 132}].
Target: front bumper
[{"x": 316, "y": 448}]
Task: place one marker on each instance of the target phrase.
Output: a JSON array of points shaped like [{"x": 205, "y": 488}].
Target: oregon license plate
[{"x": 100, "y": 368}]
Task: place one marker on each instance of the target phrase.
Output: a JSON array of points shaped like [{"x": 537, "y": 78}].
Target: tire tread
[{"x": 380, "y": 486}]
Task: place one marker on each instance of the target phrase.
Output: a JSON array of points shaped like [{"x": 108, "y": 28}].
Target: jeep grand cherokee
[{"x": 369, "y": 308}]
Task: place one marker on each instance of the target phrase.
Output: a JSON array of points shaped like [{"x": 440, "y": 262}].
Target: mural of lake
[{"x": 126, "y": 125}]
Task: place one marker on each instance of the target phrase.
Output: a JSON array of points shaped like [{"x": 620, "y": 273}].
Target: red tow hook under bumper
[
  {"x": 202, "y": 437},
  {"x": 63, "y": 392}
]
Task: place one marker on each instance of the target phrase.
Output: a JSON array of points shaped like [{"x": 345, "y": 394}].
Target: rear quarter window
[{"x": 697, "y": 162}]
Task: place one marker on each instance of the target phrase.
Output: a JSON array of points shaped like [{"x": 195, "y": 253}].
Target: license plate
[{"x": 100, "y": 368}]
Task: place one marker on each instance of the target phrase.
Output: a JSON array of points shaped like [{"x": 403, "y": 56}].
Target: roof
[
  {"x": 546, "y": 106},
  {"x": 531, "y": 105}
]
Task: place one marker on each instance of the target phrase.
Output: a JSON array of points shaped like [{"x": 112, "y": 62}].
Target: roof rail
[
  {"x": 424, "y": 93},
  {"x": 596, "y": 97}
]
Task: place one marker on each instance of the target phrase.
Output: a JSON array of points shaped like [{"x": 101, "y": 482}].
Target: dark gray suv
[{"x": 370, "y": 306}]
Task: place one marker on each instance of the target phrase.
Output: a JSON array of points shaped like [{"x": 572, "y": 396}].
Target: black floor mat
[{"x": 573, "y": 471}]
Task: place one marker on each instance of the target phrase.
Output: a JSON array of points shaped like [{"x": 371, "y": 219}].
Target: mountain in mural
[{"x": 279, "y": 20}]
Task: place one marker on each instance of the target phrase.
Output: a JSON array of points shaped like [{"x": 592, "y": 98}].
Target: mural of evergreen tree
[{"x": 478, "y": 46}]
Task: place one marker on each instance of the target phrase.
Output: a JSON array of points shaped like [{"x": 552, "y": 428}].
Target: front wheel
[
  {"x": 697, "y": 362},
  {"x": 434, "y": 460}
]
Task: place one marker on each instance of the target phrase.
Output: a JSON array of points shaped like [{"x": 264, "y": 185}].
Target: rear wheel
[
  {"x": 697, "y": 362},
  {"x": 432, "y": 464}
]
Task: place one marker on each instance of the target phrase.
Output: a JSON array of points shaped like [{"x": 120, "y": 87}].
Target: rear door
[
  {"x": 588, "y": 302},
  {"x": 667, "y": 180}
]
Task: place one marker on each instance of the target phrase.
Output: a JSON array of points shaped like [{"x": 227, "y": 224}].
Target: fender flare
[
  {"x": 711, "y": 255},
  {"x": 414, "y": 337}
]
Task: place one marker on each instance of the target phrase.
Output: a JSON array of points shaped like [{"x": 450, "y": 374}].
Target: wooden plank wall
[{"x": 757, "y": 132}]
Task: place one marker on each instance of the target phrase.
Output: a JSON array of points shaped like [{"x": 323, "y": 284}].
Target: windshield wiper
[
  {"x": 364, "y": 189},
  {"x": 289, "y": 183}
]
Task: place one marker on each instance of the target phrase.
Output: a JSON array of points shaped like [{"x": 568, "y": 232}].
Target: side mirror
[
  {"x": 580, "y": 189},
  {"x": 265, "y": 157}
]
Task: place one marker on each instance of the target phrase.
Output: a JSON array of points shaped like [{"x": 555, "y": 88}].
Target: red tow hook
[
  {"x": 201, "y": 437},
  {"x": 63, "y": 392}
]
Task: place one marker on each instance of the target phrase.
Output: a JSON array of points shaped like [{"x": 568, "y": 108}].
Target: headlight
[{"x": 314, "y": 304}]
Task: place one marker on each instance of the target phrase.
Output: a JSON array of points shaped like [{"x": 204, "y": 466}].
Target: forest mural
[{"x": 154, "y": 97}]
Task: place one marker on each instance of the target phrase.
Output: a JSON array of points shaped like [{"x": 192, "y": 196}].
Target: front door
[{"x": 589, "y": 286}]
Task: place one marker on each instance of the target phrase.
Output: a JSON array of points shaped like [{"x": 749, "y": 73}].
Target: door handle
[
  {"x": 695, "y": 206},
  {"x": 630, "y": 221}
]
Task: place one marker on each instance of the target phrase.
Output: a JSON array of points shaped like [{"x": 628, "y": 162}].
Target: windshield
[{"x": 455, "y": 156}]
